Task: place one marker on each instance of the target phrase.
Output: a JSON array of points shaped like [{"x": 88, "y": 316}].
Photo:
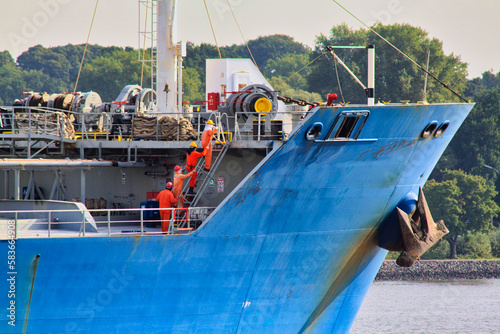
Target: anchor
[{"x": 419, "y": 232}]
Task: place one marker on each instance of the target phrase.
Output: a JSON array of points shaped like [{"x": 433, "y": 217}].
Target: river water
[{"x": 461, "y": 306}]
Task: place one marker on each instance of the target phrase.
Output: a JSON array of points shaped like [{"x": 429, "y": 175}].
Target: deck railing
[
  {"x": 21, "y": 224},
  {"x": 26, "y": 122}
]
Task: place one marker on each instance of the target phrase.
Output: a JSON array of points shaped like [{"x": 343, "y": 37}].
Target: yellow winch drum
[{"x": 261, "y": 105}]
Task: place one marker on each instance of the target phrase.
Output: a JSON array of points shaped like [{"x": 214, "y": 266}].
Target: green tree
[
  {"x": 45, "y": 60},
  {"x": 488, "y": 81},
  {"x": 464, "y": 202},
  {"x": 477, "y": 141},
  {"x": 290, "y": 66},
  {"x": 192, "y": 87},
  {"x": 396, "y": 77},
  {"x": 495, "y": 242},
  {"x": 440, "y": 251},
  {"x": 55, "y": 69},
  {"x": 108, "y": 75},
  {"x": 476, "y": 246},
  {"x": 271, "y": 47},
  {"x": 278, "y": 83},
  {"x": 276, "y": 56},
  {"x": 38, "y": 81},
  {"x": 5, "y": 57},
  {"x": 11, "y": 79},
  {"x": 197, "y": 55}
]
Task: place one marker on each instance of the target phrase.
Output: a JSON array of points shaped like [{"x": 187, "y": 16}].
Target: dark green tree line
[
  {"x": 396, "y": 77},
  {"x": 465, "y": 203}
]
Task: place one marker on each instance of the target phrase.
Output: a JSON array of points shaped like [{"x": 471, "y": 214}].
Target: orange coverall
[
  {"x": 167, "y": 200},
  {"x": 178, "y": 182},
  {"x": 206, "y": 143},
  {"x": 191, "y": 161}
]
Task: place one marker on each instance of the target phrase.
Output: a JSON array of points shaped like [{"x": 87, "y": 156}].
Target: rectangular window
[{"x": 348, "y": 125}]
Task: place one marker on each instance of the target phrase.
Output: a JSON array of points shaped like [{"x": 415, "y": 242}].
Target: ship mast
[{"x": 167, "y": 57}]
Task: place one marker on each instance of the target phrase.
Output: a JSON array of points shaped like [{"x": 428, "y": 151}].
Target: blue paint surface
[{"x": 292, "y": 250}]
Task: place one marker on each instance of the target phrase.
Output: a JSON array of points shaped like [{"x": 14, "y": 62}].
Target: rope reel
[{"x": 254, "y": 98}]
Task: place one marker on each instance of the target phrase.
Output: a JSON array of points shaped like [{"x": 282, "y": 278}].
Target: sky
[{"x": 467, "y": 28}]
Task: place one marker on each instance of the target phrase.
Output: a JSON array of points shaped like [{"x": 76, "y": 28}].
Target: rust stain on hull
[
  {"x": 388, "y": 148},
  {"x": 352, "y": 263},
  {"x": 35, "y": 267}
]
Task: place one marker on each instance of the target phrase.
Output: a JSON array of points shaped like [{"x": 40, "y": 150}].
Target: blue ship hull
[{"x": 293, "y": 249}]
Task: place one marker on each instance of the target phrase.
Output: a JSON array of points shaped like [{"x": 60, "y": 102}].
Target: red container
[
  {"x": 151, "y": 195},
  {"x": 213, "y": 101}
]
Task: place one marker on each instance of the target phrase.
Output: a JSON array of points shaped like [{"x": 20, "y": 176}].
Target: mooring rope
[
  {"x": 86, "y": 45},
  {"x": 144, "y": 44},
  {"x": 306, "y": 66},
  {"x": 241, "y": 33},
  {"x": 211, "y": 26}
]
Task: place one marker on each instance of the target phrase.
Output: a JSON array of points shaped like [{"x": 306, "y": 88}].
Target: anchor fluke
[{"x": 419, "y": 232}]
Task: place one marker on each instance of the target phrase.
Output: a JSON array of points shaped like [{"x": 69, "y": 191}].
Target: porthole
[
  {"x": 429, "y": 129},
  {"x": 314, "y": 131},
  {"x": 441, "y": 129}
]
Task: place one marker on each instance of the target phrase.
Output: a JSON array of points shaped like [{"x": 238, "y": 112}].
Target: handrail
[
  {"x": 60, "y": 223},
  {"x": 106, "y": 126}
]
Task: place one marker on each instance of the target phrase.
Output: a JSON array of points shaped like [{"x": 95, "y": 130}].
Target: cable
[
  {"x": 338, "y": 78},
  {"x": 86, "y": 45},
  {"x": 401, "y": 52},
  {"x": 305, "y": 66},
  {"x": 211, "y": 26},
  {"x": 144, "y": 44},
  {"x": 251, "y": 55}
]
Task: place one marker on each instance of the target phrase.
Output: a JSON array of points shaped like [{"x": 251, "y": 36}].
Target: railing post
[
  {"x": 258, "y": 128},
  {"x": 237, "y": 133},
  {"x": 15, "y": 225},
  {"x": 158, "y": 128},
  {"x": 29, "y": 134},
  {"x": 61, "y": 123},
  {"x": 44, "y": 131},
  {"x": 17, "y": 184},
  {"x": 13, "y": 122},
  {"x": 171, "y": 224},
  {"x": 142, "y": 221},
  {"x": 106, "y": 121},
  {"x": 199, "y": 120},
  {"x": 50, "y": 218},
  {"x": 109, "y": 223},
  {"x": 178, "y": 127},
  {"x": 82, "y": 187},
  {"x": 83, "y": 222}
]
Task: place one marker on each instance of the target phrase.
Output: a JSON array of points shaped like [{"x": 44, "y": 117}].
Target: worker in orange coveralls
[
  {"x": 167, "y": 200},
  {"x": 206, "y": 142},
  {"x": 178, "y": 182},
  {"x": 192, "y": 156}
]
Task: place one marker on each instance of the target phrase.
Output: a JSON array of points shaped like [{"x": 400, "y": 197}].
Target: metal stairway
[
  {"x": 218, "y": 151},
  {"x": 219, "y": 148}
]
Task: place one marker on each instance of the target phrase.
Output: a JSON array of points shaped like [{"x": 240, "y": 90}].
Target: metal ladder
[
  {"x": 219, "y": 149},
  {"x": 149, "y": 35},
  {"x": 218, "y": 152}
]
